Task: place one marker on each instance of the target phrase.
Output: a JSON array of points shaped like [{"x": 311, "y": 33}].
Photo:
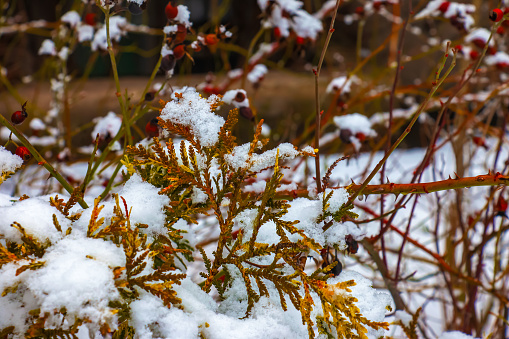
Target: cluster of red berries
[{"x": 17, "y": 118}]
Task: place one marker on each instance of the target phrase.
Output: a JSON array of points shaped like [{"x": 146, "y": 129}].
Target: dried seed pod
[
  {"x": 352, "y": 244},
  {"x": 240, "y": 96},
  {"x": 247, "y": 113},
  {"x": 345, "y": 135},
  {"x": 149, "y": 96},
  {"x": 168, "y": 62},
  {"x": 134, "y": 8},
  {"x": 328, "y": 259}
]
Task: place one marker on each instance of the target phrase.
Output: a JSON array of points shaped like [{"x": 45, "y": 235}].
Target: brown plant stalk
[{"x": 428, "y": 187}]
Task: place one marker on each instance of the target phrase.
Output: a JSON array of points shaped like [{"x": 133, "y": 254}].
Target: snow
[
  {"x": 108, "y": 125},
  {"x": 301, "y": 22},
  {"x": 37, "y": 124},
  {"x": 455, "y": 335},
  {"x": 235, "y": 73},
  {"x": 47, "y": 48},
  {"x": 356, "y": 123},
  {"x": 76, "y": 275},
  {"x": 372, "y": 303},
  {"x": 481, "y": 34},
  {"x": 342, "y": 83},
  {"x": 257, "y": 73},
  {"x": 193, "y": 111},
  {"x": 306, "y": 26},
  {"x": 9, "y": 162},
  {"x": 404, "y": 317},
  {"x": 144, "y": 203},
  {"x": 85, "y": 32},
  {"x": 240, "y": 158},
  {"x": 72, "y": 18},
  {"x": 461, "y": 12},
  {"x": 116, "y": 25},
  {"x": 35, "y": 215},
  {"x": 170, "y": 29},
  {"x": 63, "y": 54},
  {"x": 266, "y": 130},
  {"x": 229, "y": 98},
  {"x": 499, "y": 58},
  {"x": 183, "y": 16}
]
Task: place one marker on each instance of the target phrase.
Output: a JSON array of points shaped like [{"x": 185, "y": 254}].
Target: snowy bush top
[{"x": 191, "y": 110}]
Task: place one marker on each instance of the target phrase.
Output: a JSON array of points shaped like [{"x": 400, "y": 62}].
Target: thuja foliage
[
  {"x": 197, "y": 180},
  {"x": 180, "y": 169},
  {"x": 129, "y": 279}
]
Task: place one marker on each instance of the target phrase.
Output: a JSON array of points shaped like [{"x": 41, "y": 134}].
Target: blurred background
[{"x": 285, "y": 98}]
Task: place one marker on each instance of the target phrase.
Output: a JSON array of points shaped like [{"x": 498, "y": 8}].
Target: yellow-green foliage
[
  {"x": 176, "y": 176},
  {"x": 177, "y": 171}
]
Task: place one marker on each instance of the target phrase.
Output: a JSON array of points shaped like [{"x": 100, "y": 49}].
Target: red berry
[
  {"x": 359, "y": 10},
  {"x": 502, "y": 65},
  {"x": 181, "y": 34},
  {"x": 496, "y": 15},
  {"x": 479, "y": 141},
  {"x": 300, "y": 40},
  {"x": 361, "y": 136},
  {"x": 479, "y": 43},
  {"x": 179, "y": 51},
  {"x": 211, "y": 39},
  {"x": 171, "y": 11},
  {"x": 90, "y": 19},
  {"x": 377, "y": 5},
  {"x": 474, "y": 55},
  {"x": 501, "y": 206},
  {"x": 444, "y": 6},
  {"x": 501, "y": 30},
  {"x": 210, "y": 89},
  {"x": 277, "y": 32},
  {"x": 152, "y": 128},
  {"x": 19, "y": 116},
  {"x": 23, "y": 153},
  {"x": 134, "y": 8}
]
